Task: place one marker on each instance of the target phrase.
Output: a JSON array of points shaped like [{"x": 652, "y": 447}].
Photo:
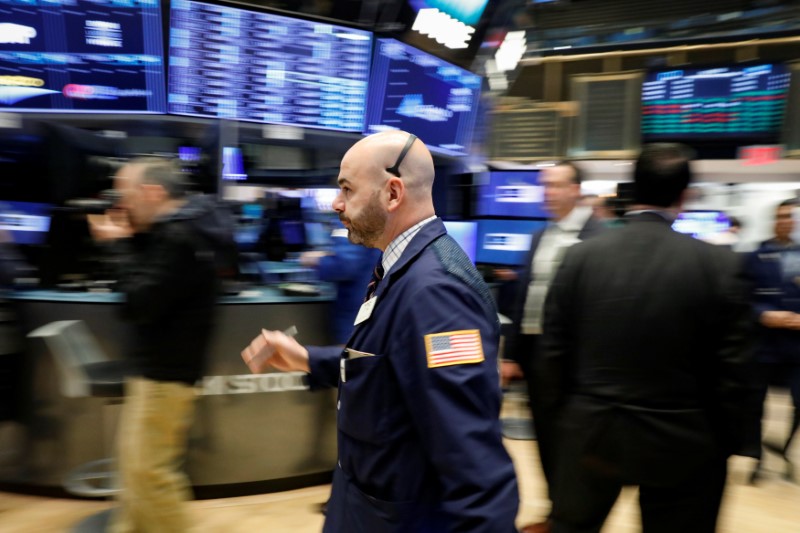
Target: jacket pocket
[{"x": 363, "y": 398}]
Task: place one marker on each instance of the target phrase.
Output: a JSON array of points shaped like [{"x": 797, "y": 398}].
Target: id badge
[{"x": 366, "y": 311}]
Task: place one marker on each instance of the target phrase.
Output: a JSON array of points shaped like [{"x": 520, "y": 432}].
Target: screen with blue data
[
  {"x": 702, "y": 224},
  {"x": 251, "y": 65},
  {"x": 82, "y": 56},
  {"x": 25, "y": 222},
  {"x": 505, "y": 242},
  {"x": 728, "y": 102},
  {"x": 511, "y": 193},
  {"x": 465, "y": 233},
  {"x": 233, "y": 164},
  {"x": 417, "y": 92}
]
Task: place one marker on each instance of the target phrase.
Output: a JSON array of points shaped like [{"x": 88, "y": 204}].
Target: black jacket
[
  {"x": 646, "y": 354},
  {"x": 170, "y": 277}
]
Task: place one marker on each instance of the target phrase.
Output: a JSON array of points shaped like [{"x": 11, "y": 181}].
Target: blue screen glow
[
  {"x": 414, "y": 91},
  {"x": 81, "y": 56},
  {"x": 244, "y": 64},
  {"x": 505, "y": 242}
]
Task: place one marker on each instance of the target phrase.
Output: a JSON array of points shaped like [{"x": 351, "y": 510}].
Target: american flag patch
[{"x": 454, "y": 348}]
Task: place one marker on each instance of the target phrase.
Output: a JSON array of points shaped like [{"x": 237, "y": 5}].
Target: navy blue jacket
[
  {"x": 350, "y": 267},
  {"x": 420, "y": 449},
  {"x": 775, "y": 290}
]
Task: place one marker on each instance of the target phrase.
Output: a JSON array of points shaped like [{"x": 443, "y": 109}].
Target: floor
[{"x": 772, "y": 506}]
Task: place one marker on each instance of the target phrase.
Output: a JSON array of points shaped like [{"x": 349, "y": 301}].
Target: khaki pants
[{"x": 152, "y": 441}]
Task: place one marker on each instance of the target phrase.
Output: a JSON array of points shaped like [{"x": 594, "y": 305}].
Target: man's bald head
[
  {"x": 381, "y": 150},
  {"x": 377, "y": 201}
]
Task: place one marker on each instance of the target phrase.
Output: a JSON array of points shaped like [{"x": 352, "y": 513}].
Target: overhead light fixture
[{"x": 443, "y": 28}]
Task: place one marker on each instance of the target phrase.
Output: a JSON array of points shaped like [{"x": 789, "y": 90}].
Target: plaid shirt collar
[{"x": 398, "y": 245}]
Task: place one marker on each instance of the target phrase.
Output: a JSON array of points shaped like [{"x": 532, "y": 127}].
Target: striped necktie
[{"x": 377, "y": 275}]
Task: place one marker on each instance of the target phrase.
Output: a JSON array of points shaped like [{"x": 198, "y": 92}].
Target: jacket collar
[{"x": 426, "y": 235}]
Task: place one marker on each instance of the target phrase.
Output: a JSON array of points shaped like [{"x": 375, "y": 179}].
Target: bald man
[{"x": 419, "y": 435}]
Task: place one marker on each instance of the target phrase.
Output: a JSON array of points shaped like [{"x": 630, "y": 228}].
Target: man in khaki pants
[{"x": 170, "y": 249}]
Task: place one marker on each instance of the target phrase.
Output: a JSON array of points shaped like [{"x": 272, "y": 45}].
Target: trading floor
[{"x": 772, "y": 506}]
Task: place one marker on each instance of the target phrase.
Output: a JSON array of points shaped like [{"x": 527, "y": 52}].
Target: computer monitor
[
  {"x": 512, "y": 193},
  {"x": 702, "y": 224},
  {"x": 81, "y": 56},
  {"x": 505, "y": 242},
  {"x": 233, "y": 164},
  {"x": 737, "y": 102},
  {"x": 465, "y": 234},
  {"x": 250, "y": 64},
  {"x": 25, "y": 222},
  {"x": 293, "y": 233},
  {"x": 417, "y": 92}
]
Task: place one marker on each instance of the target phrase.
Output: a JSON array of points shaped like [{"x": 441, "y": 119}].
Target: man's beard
[{"x": 369, "y": 226}]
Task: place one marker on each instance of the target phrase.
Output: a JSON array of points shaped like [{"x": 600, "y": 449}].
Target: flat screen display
[
  {"x": 465, "y": 233},
  {"x": 505, "y": 242},
  {"x": 82, "y": 56},
  {"x": 512, "y": 193},
  {"x": 25, "y": 222},
  {"x": 414, "y": 91},
  {"x": 728, "y": 102},
  {"x": 242, "y": 64},
  {"x": 233, "y": 164},
  {"x": 703, "y": 225}
]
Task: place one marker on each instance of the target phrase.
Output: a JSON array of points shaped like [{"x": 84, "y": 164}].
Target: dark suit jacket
[
  {"x": 772, "y": 291},
  {"x": 645, "y": 352},
  {"x": 520, "y": 288}
]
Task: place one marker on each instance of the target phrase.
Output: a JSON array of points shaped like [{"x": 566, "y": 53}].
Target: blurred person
[
  {"x": 604, "y": 210},
  {"x": 644, "y": 364},
  {"x": 419, "y": 437},
  {"x": 12, "y": 266},
  {"x": 571, "y": 223},
  {"x": 349, "y": 266},
  {"x": 775, "y": 270},
  {"x": 171, "y": 248}
]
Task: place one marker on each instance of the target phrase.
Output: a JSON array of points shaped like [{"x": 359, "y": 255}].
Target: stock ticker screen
[
  {"x": 81, "y": 56},
  {"x": 731, "y": 102},
  {"x": 414, "y": 91},
  {"x": 244, "y": 64}
]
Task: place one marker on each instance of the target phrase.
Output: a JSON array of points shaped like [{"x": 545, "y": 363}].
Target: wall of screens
[
  {"x": 243, "y": 64},
  {"x": 81, "y": 56},
  {"x": 414, "y": 91}
]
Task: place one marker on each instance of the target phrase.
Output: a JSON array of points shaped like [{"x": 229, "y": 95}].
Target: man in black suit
[
  {"x": 571, "y": 223},
  {"x": 644, "y": 364}
]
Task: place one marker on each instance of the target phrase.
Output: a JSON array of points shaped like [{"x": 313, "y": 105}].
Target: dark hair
[
  {"x": 577, "y": 173},
  {"x": 789, "y": 202},
  {"x": 662, "y": 173}
]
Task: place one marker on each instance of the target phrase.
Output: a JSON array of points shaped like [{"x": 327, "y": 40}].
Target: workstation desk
[{"x": 251, "y": 433}]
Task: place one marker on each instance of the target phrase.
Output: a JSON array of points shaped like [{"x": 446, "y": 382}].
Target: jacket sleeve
[
  {"x": 324, "y": 364},
  {"x": 455, "y": 409},
  {"x": 766, "y": 290},
  {"x": 732, "y": 370},
  {"x": 556, "y": 343}
]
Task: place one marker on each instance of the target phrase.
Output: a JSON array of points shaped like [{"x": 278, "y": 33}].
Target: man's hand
[
  {"x": 311, "y": 258},
  {"x": 277, "y": 350},
  {"x": 509, "y": 371},
  {"x": 112, "y": 225}
]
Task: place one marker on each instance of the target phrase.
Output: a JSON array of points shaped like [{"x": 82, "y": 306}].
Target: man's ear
[
  {"x": 397, "y": 192},
  {"x": 154, "y": 193}
]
